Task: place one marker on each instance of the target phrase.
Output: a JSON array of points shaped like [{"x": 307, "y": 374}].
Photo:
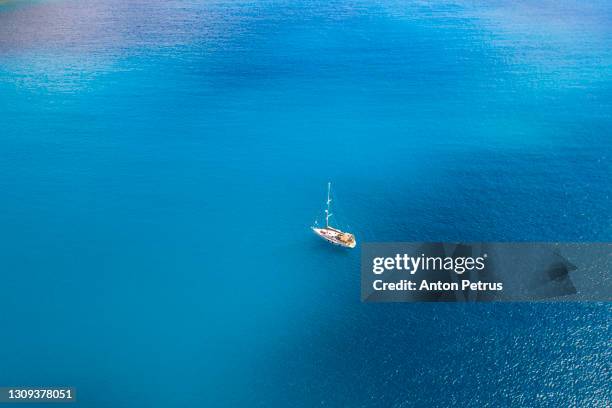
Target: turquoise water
[{"x": 161, "y": 163}]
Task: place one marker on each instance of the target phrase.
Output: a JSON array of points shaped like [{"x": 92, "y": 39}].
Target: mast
[{"x": 327, "y": 213}]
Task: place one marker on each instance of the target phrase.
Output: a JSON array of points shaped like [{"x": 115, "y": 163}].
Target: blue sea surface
[{"x": 161, "y": 163}]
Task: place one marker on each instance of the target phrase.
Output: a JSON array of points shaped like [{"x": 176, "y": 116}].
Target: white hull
[{"x": 336, "y": 237}]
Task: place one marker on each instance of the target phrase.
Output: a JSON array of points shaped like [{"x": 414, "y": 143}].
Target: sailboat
[{"x": 331, "y": 234}]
